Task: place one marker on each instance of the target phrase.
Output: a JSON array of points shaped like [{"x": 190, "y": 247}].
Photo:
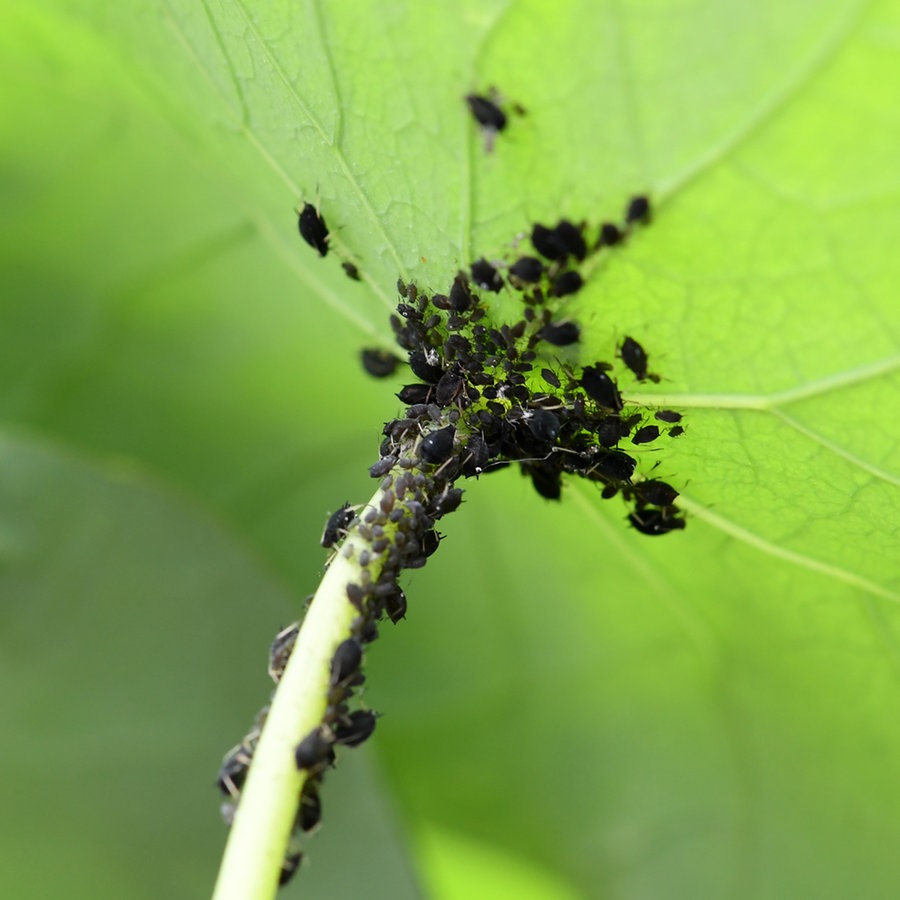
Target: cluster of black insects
[{"x": 486, "y": 397}]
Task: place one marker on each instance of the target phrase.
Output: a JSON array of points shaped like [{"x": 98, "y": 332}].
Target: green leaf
[{"x": 707, "y": 714}]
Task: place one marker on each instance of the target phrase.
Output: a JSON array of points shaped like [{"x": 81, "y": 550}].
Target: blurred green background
[{"x": 570, "y": 709}]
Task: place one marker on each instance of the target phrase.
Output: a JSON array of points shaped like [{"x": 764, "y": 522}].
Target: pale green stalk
[{"x": 270, "y": 796}]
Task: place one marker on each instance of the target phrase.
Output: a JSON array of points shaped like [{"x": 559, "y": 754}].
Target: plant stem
[{"x": 269, "y": 799}]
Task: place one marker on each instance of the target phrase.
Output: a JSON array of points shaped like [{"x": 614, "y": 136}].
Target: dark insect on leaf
[
  {"x": 430, "y": 542},
  {"x": 437, "y": 446},
  {"x": 313, "y": 229},
  {"x": 449, "y": 387},
  {"x": 646, "y": 434},
  {"x": 668, "y": 415},
  {"x": 233, "y": 772},
  {"x": 613, "y": 465},
  {"x": 566, "y": 283},
  {"x": 486, "y": 276},
  {"x": 656, "y": 493},
  {"x": 656, "y": 521},
  {"x": 336, "y": 526},
  {"x": 635, "y": 357},
  {"x": 379, "y": 363},
  {"x": 346, "y": 661},
  {"x": 289, "y": 865},
  {"x": 413, "y": 394},
  {"x": 351, "y": 270},
  {"x": 560, "y": 334},
  {"x": 547, "y": 481},
  {"x": 423, "y": 369},
  {"x": 310, "y": 812},
  {"x": 610, "y": 234},
  {"x": 569, "y": 237},
  {"x": 638, "y": 210},
  {"x": 355, "y": 728},
  {"x": 395, "y": 605},
  {"x": 449, "y": 501},
  {"x": 527, "y": 269},
  {"x": 550, "y": 377},
  {"x": 313, "y": 750},
  {"x": 544, "y": 425},
  {"x": 611, "y": 430},
  {"x": 601, "y": 388},
  {"x": 486, "y": 112},
  {"x": 461, "y": 298},
  {"x": 676, "y": 430},
  {"x": 546, "y": 242},
  {"x": 475, "y": 457},
  {"x": 281, "y": 649}
]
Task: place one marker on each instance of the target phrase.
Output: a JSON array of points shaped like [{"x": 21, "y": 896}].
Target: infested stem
[{"x": 268, "y": 803}]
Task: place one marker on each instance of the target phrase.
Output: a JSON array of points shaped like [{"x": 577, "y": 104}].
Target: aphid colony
[{"x": 485, "y": 397}]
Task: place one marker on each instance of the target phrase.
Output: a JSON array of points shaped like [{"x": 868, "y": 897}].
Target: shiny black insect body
[
  {"x": 379, "y": 363},
  {"x": 355, "y": 728},
  {"x": 601, "y": 388},
  {"x": 314, "y": 750},
  {"x": 351, "y": 270},
  {"x": 437, "y": 446},
  {"x": 527, "y": 269},
  {"x": 336, "y": 526},
  {"x": 635, "y": 357},
  {"x": 313, "y": 229},
  {"x": 638, "y": 210},
  {"x": 560, "y": 334},
  {"x": 646, "y": 434},
  {"x": 486, "y": 113}
]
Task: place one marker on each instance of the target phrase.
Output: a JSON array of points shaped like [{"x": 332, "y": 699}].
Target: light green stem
[{"x": 270, "y": 796}]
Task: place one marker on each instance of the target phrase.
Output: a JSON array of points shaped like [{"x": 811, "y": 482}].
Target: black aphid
[
  {"x": 336, "y": 526},
  {"x": 676, "y": 430},
  {"x": 413, "y": 394},
  {"x": 233, "y": 772},
  {"x": 346, "y": 660},
  {"x": 486, "y": 276},
  {"x": 635, "y": 357},
  {"x": 601, "y": 388},
  {"x": 656, "y": 521},
  {"x": 461, "y": 298},
  {"x": 281, "y": 649},
  {"x": 310, "y": 813},
  {"x": 646, "y": 434},
  {"x": 379, "y": 363},
  {"x": 289, "y": 866},
  {"x": 546, "y": 243},
  {"x": 447, "y": 502},
  {"x": 449, "y": 387},
  {"x": 423, "y": 369},
  {"x": 351, "y": 270},
  {"x": 550, "y": 377},
  {"x": 527, "y": 269},
  {"x": 486, "y": 112},
  {"x": 313, "y": 229},
  {"x": 638, "y": 210},
  {"x": 544, "y": 425},
  {"x": 355, "y": 728},
  {"x": 566, "y": 283},
  {"x": 610, "y": 235},
  {"x": 668, "y": 415},
  {"x": 611, "y": 430},
  {"x": 560, "y": 334},
  {"x": 656, "y": 493},
  {"x": 613, "y": 465},
  {"x": 437, "y": 446},
  {"x": 547, "y": 481},
  {"x": 570, "y": 238},
  {"x": 395, "y": 605},
  {"x": 313, "y": 750}
]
